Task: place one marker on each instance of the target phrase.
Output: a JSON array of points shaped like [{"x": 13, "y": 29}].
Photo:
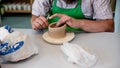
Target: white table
[{"x": 105, "y": 45}]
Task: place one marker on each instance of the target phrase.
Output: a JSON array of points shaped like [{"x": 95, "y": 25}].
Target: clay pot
[{"x": 57, "y": 32}]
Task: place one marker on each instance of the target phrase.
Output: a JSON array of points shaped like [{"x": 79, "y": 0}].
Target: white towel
[
  {"x": 78, "y": 55},
  {"x": 16, "y": 46},
  {"x": 3, "y": 33}
]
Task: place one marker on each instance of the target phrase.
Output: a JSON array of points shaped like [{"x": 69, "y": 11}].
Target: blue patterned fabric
[
  {"x": 8, "y": 28},
  {"x": 6, "y": 47}
]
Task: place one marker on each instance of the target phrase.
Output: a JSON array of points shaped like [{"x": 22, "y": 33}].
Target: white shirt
[{"x": 92, "y": 9}]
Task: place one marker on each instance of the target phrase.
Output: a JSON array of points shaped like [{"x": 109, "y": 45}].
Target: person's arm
[
  {"x": 39, "y": 22},
  {"x": 103, "y": 15},
  {"x": 39, "y": 11},
  {"x": 33, "y": 19},
  {"x": 101, "y": 12},
  {"x": 86, "y": 25},
  {"x": 97, "y": 26}
]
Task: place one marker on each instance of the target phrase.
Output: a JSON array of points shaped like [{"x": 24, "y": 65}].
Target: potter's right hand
[{"x": 39, "y": 23}]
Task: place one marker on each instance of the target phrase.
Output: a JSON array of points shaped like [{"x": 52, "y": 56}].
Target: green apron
[{"x": 72, "y": 12}]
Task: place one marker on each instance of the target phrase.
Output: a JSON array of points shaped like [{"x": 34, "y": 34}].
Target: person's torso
[
  {"x": 72, "y": 12},
  {"x": 86, "y": 6}
]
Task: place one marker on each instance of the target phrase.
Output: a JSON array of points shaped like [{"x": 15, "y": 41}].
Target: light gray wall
[{"x": 117, "y": 16}]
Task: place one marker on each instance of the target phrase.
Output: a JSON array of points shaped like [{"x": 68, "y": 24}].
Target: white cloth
[
  {"x": 92, "y": 9},
  {"x": 28, "y": 49},
  {"x": 15, "y": 45},
  {"x": 3, "y": 33},
  {"x": 78, "y": 55}
]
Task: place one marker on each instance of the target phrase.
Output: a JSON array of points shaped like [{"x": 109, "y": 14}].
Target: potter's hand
[
  {"x": 64, "y": 19},
  {"x": 39, "y": 23},
  {"x": 0, "y": 42}
]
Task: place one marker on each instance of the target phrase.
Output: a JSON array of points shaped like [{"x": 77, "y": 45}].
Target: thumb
[
  {"x": 69, "y": 23},
  {"x": 55, "y": 15}
]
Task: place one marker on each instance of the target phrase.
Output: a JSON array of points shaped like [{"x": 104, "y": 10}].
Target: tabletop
[{"x": 105, "y": 45}]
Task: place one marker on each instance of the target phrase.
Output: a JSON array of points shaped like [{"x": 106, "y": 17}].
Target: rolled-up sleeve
[
  {"x": 40, "y": 7},
  {"x": 102, "y": 9}
]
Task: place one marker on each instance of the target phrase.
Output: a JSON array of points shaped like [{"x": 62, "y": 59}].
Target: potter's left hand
[{"x": 65, "y": 19}]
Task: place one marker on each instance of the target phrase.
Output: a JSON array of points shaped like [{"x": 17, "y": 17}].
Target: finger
[
  {"x": 32, "y": 23},
  {"x": 69, "y": 23},
  {"x": 63, "y": 20},
  {"x": 37, "y": 26},
  {"x": 60, "y": 22},
  {"x": 55, "y": 15},
  {"x": 41, "y": 23},
  {"x": 33, "y": 27},
  {"x": 44, "y": 20}
]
